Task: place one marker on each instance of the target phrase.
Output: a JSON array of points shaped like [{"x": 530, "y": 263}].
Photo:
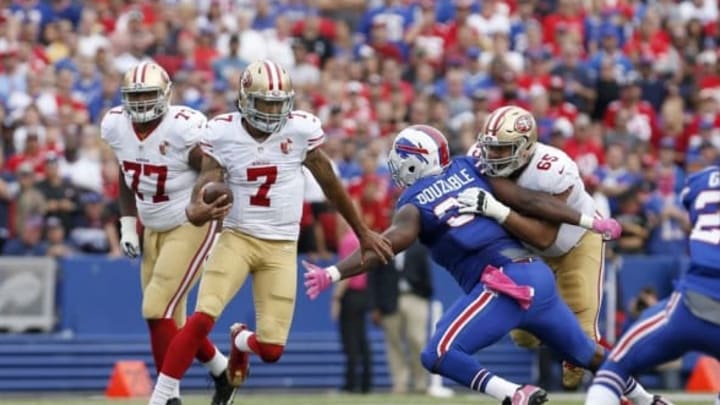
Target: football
[{"x": 214, "y": 190}]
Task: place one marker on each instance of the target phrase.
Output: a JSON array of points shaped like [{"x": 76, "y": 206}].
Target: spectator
[
  {"x": 95, "y": 231},
  {"x": 29, "y": 201},
  {"x": 402, "y": 291},
  {"x": 57, "y": 246},
  {"x": 29, "y": 243},
  {"x": 634, "y": 223},
  {"x": 614, "y": 177},
  {"x": 60, "y": 195},
  {"x": 584, "y": 147},
  {"x": 579, "y": 84},
  {"x": 349, "y": 307}
]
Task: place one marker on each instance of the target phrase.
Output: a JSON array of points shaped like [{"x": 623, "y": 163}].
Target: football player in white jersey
[
  {"x": 507, "y": 147},
  {"x": 258, "y": 152},
  {"x": 157, "y": 148}
]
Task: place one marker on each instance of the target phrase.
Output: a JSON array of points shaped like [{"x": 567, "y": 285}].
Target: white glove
[
  {"x": 129, "y": 240},
  {"x": 478, "y": 201}
]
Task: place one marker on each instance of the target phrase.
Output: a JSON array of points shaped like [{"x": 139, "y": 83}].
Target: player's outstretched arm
[
  {"x": 543, "y": 205},
  {"x": 198, "y": 211},
  {"x": 319, "y": 165},
  {"x": 401, "y": 234}
]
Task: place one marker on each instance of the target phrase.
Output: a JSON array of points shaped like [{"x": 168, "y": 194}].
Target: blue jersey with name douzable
[
  {"x": 462, "y": 243},
  {"x": 701, "y": 197}
]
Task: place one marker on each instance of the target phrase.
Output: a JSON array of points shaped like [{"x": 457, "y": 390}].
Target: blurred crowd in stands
[{"x": 630, "y": 89}]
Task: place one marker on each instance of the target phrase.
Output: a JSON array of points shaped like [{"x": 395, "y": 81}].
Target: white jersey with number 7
[{"x": 265, "y": 177}]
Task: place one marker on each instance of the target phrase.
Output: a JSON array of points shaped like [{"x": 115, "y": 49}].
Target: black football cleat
[
  {"x": 223, "y": 390},
  {"x": 173, "y": 401}
]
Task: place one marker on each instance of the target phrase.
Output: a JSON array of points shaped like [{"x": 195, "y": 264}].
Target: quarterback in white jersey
[
  {"x": 157, "y": 148},
  {"x": 258, "y": 152},
  {"x": 507, "y": 147}
]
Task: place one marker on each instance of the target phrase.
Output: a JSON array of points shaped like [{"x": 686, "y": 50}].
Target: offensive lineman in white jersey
[
  {"x": 259, "y": 152},
  {"x": 507, "y": 147},
  {"x": 157, "y": 148}
]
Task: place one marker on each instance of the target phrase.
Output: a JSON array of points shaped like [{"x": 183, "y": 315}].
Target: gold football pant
[
  {"x": 170, "y": 267},
  {"x": 273, "y": 265}
]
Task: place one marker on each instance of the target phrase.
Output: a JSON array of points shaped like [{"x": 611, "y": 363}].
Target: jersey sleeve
[
  {"x": 211, "y": 140},
  {"x": 195, "y": 129},
  {"x": 189, "y": 125},
  {"x": 108, "y": 131},
  {"x": 310, "y": 127}
]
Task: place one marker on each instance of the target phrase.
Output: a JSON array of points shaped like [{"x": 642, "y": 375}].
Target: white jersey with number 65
[
  {"x": 552, "y": 171},
  {"x": 157, "y": 168},
  {"x": 265, "y": 177}
]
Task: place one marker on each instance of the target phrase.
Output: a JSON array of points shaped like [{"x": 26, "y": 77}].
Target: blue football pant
[
  {"x": 665, "y": 332},
  {"x": 482, "y": 317}
]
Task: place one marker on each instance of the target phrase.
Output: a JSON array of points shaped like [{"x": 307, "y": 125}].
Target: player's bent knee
[
  {"x": 270, "y": 353},
  {"x": 210, "y": 304},
  {"x": 429, "y": 358},
  {"x": 152, "y": 309}
]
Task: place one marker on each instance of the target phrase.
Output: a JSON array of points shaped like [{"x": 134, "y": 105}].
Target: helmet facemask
[
  {"x": 145, "y": 104},
  {"x": 267, "y": 113},
  {"x": 507, "y": 163},
  {"x": 404, "y": 170}
]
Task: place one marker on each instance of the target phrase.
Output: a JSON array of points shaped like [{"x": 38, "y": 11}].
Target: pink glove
[
  {"x": 609, "y": 228},
  {"x": 497, "y": 281},
  {"x": 317, "y": 280}
]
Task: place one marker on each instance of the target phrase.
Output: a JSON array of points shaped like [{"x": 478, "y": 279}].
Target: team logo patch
[
  {"x": 163, "y": 147},
  {"x": 523, "y": 124},
  {"x": 286, "y": 146},
  {"x": 246, "y": 80}
]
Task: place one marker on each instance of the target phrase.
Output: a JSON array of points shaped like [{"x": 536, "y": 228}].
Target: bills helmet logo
[
  {"x": 523, "y": 124},
  {"x": 405, "y": 148}
]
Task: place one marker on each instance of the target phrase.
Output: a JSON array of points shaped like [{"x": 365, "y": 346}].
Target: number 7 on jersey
[{"x": 270, "y": 174}]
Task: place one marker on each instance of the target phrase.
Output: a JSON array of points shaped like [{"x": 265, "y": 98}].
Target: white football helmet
[
  {"x": 268, "y": 83},
  {"x": 146, "y": 92},
  {"x": 507, "y": 141},
  {"x": 418, "y": 151}
]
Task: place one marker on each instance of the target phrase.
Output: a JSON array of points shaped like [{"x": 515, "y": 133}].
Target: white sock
[
  {"x": 165, "y": 388},
  {"x": 241, "y": 340},
  {"x": 717, "y": 400},
  {"x": 500, "y": 388},
  {"x": 217, "y": 365},
  {"x": 601, "y": 395},
  {"x": 639, "y": 396},
  {"x": 176, "y": 392}
]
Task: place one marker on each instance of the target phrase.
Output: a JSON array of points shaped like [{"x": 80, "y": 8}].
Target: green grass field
[{"x": 326, "y": 399}]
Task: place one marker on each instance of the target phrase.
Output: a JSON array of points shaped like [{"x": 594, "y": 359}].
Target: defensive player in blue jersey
[
  {"x": 505, "y": 285},
  {"x": 690, "y": 318}
]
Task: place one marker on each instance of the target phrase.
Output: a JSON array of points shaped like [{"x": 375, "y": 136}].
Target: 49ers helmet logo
[
  {"x": 523, "y": 124},
  {"x": 246, "y": 79}
]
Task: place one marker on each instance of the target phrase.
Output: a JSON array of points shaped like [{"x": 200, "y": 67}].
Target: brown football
[{"x": 213, "y": 191}]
